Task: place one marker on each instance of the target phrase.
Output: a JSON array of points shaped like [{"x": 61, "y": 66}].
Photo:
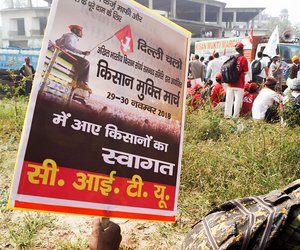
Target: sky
[{"x": 273, "y": 7}]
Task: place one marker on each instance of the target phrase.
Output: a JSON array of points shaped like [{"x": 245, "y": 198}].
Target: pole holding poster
[{"x": 104, "y": 129}]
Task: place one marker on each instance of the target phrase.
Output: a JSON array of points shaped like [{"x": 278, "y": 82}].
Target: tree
[{"x": 283, "y": 25}]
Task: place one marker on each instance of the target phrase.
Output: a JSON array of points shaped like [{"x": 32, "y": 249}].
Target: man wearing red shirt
[
  {"x": 249, "y": 96},
  {"x": 235, "y": 91},
  {"x": 217, "y": 92}
]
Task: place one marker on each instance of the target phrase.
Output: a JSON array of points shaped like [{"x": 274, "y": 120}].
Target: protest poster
[{"x": 104, "y": 128}]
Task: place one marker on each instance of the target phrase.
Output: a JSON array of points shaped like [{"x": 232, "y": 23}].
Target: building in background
[
  {"x": 25, "y": 23},
  {"x": 210, "y": 19}
]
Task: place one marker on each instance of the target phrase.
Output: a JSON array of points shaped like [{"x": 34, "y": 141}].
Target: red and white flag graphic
[{"x": 125, "y": 38}]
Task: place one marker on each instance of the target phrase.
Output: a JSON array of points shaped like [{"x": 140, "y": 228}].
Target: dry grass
[{"x": 222, "y": 159}]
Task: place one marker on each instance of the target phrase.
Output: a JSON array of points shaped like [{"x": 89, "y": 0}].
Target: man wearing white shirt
[
  {"x": 214, "y": 67},
  {"x": 69, "y": 43},
  {"x": 291, "y": 104},
  {"x": 264, "y": 106}
]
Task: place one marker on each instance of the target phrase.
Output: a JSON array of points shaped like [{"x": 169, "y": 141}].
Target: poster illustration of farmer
[{"x": 103, "y": 133}]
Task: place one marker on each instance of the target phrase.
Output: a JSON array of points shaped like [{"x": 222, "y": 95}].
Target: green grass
[
  {"x": 246, "y": 159},
  {"x": 73, "y": 243},
  {"x": 222, "y": 159},
  {"x": 23, "y": 231}
]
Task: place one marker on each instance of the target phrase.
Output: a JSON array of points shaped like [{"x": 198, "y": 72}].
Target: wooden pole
[{"x": 104, "y": 222}]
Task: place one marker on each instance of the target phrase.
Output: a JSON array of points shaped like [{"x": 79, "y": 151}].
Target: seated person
[
  {"x": 217, "y": 93},
  {"x": 250, "y": 94},
  {"x": 291, "y": 104},
  {"x": 265, "y": 105},
  {"x": 69, "y": 43}
]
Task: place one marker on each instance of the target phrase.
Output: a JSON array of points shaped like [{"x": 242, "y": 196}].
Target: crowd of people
[{"x": 266, "y": 89}]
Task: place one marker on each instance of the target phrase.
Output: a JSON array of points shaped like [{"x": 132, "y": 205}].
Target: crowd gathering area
[{"x": 266, "y": 89}]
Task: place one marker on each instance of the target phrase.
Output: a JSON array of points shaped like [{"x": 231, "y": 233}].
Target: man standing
[
  {"x": 204, "y": 67},
  {"x": 69, "y": 43},
  {"x": 276, "y": 71},
  {"x": 259, "y": 69},
  {"x": 27, "y": 71},
  {"x": 196, "y": 70},
  {"x": 235, "y": 91},
  {"x": 293, "y": 70},
  {"x": 214, "y": 67}
]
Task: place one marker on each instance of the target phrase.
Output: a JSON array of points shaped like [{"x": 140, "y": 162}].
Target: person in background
[
  {"x": 196, "y": 70},
  {"x": 206, "y": 91},
  {"x": 250, "y": 93},
  {"x": 208, "y": 75},
  {"x": 192, "y": 57},
  {"x": 276, "y": 71},
  {"x": 27, "y": 71},
  {"x": 293, "y": 70},
  {"x": 265, "y": 105},
  {"x": 196, "y": 96},
  {"x": 291, "y": 104},
  {"x": 204, "y": 67},
  {"x": 217, "y": 92},
  {"x": 292, "y": 74},
  {"x": 235, "y": 91},
  {"x": 214, "y": 67},
  {"x": 264, "y": 70}
]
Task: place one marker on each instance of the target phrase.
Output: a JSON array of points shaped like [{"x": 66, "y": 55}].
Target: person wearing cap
[
  {"x": 291, "y": 104},
  {"x": 206, "y": 91},
  {"x": 235, "y": 91},
  {"x": 293, "y": 70},
  {"x": 196, "y": 99},
  {"x": 27, "y": 71},
  {"x": 250, "y": 94},
  {"x": 69, "y": 44},
  {"x": 276, "y": 71},
  {"x": 217, "y": 92},
  {"x": 265, "y": 105}
]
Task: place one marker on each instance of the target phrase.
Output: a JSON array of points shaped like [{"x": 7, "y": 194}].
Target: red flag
[
  {"x": 125, "y": 38},
  {"x": 251, "y": 35},
  {"x": 214, "y": 52},
  {"x": 224, "y": 52}
]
